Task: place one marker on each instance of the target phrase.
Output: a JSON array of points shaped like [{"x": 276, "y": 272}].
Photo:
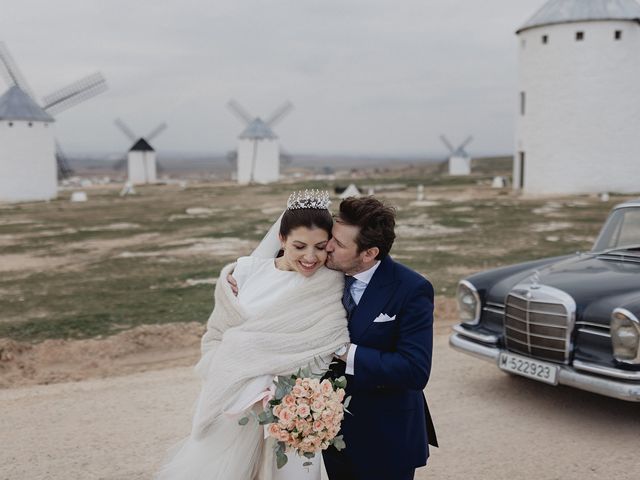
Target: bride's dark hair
[{"x": 305, "y": 217}]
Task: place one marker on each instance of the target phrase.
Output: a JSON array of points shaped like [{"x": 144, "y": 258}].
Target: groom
[{"x": 387, "y": 364}]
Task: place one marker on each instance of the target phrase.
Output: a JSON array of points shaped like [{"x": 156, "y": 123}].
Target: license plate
[{"x": 530, "y": 368}]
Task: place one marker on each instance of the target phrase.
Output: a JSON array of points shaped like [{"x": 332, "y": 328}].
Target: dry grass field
[{"x": 125, "y": 265}]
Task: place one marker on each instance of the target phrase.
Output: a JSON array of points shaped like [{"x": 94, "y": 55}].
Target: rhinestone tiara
[{"x": 309, "y": 199}]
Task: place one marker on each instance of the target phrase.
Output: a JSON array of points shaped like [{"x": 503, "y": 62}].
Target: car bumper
[{"x": 585, "y": 376}]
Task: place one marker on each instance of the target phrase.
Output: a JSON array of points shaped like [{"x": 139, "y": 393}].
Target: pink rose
[
  {"x": 286, "y": 415},
  {"x": 303, "y": 410},
  {"x": 326, "y": 387},
  {"x": 317, "y": 405},
  {"x": 298, "y": 391},
  {"x": 289, "y": 400},
  {"x": 273, "y": 430}
]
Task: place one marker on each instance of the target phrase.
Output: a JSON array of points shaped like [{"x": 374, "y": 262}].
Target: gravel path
[{"x": 490, "y": 425}]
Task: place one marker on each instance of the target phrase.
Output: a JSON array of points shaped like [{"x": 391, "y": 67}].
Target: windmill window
[
  {"x": 30, "y": 124},
  {"x": 618, "y": 35},
  {"x": 579, "y": 36},
  {"x": 11, "y": 124},
  {"x": 545, "y": 39},
  {"x": 523, "y": 101}
]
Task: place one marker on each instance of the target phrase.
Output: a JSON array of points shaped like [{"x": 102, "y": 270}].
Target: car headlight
[
  {"x": 625, "y": 336},
  {"x": 468, "y": 303}
]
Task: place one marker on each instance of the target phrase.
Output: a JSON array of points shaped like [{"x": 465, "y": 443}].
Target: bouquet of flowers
[{"x": 304, "y": 414}]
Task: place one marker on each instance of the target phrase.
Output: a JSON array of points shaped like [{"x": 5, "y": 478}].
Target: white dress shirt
[{"x": 357, "y": 289}]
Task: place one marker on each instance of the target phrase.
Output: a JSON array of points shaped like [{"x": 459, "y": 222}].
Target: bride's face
[{"x": 304, "y": 249}]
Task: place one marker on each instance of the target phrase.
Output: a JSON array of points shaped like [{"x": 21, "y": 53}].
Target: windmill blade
[
  {"x": 156, "y": 131},
  {"x": 75, "y": 93},
  {"x": 279, "y": 114},
  {"x": 125, "y": 129},
  {"x": 466, "y": 142},
  {"x": 11, "y": 73},
  {"x": 64, "y": 170},
  {"x": 239, "y": 112},
  {"x": 447, "y": 143}
]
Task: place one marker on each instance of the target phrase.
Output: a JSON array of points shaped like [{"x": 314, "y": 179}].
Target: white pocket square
[{"x": 383, "y": 317}]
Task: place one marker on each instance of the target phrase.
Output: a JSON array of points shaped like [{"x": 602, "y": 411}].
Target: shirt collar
[{"x": 365, "y": 277}]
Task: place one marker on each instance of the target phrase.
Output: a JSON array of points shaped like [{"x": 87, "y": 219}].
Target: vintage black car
[{"x": 571, "y": 320}]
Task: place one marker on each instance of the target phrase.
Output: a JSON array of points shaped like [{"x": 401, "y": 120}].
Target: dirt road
[{"x": 491, "y": 426}]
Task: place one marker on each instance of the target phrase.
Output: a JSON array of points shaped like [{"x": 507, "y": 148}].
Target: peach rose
[
  {"x": 289, "y": 400},
  {"x": 273, "y": 430},
  {"x": 286, "y": 415},
  {"x": 303, "y": 410},
  {"x": 299, "y": 391},
  {"x": 326, "y": 387},
  {"x": 317, "y": 405}
]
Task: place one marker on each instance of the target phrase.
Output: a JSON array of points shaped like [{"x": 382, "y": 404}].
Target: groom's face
[{"x": 342, "y": 249}]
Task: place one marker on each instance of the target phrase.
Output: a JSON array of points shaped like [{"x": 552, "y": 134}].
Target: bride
[{"x": 288, "y": 314}]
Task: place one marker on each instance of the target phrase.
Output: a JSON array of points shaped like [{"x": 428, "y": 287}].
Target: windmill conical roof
[
  {"x": 141, "y": 146},
  {"x": 17, "y": 105},
  {"x": 258, "y": 129},
  {"x": 568, "y": 11}
]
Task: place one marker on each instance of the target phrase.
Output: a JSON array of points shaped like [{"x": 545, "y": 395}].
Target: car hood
[{"x": 598, "y": 286}]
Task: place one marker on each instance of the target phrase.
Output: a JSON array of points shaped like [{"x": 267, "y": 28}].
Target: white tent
[{"x": 350, "y": 191}]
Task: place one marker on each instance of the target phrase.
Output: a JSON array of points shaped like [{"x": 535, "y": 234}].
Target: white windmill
[
  {"x": 258, "y": 157},
  {"x": 141, "y": 159},
  {"x": 459, "y": 159},
  {"x": 578, "y": 98},
  {"x": 30, "y": 159}
]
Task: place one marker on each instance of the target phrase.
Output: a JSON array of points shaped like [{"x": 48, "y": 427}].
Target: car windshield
[{"x": 621, "y": 230}]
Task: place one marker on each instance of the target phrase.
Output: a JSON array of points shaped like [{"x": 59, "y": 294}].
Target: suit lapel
[{"x": 375, "y": 297}]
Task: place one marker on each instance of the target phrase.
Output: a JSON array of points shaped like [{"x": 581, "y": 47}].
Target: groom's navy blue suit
[{"x": 388, "y": 434}]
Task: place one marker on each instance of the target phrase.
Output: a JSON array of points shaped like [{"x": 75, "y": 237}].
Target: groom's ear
[{"x": 370, "y": 254}]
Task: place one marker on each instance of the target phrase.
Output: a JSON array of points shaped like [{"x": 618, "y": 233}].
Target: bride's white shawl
[{"x": 290, "y": 334}]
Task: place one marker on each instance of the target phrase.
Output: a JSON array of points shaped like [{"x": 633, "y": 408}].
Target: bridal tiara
[{"x": 309, "y": 199}]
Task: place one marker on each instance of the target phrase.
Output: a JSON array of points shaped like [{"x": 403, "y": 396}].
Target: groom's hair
[
  {"x": 306, "y": 217},
  {"x": 375, "y": 220}
]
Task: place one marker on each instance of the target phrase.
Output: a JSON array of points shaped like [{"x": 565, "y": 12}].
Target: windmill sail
[
  {"x": 156, "y": 131},
  {"x": 11, "y": 73},
  {"x": 240, "y": 112},
  {"x": 279, "y": 114},
  {"x": 125, "y": 129},
  {"x": 64, "y": 170},
  {"x": 75, "y": 93}
]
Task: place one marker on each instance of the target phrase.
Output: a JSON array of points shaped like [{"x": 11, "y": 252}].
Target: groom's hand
[{"x": 232, "y": 283}]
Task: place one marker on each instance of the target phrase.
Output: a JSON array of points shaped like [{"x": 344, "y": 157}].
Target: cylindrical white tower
[
  {"x": 141, "y": 163},
  {"x": 578, "y": 119},
  {"x": 28, "y": 169},
  {"x": 258, "y": 154}
]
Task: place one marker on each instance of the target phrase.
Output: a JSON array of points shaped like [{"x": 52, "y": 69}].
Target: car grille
[{"x": 538, "y": 322}]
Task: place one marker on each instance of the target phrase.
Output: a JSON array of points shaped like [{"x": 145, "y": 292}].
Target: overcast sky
[{"x": 365, "y": 76}]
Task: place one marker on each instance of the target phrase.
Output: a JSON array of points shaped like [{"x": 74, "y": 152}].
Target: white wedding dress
[{"x": 260, "y": 283}]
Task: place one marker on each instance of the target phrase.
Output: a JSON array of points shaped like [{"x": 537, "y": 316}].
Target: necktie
[{"x": 347, "y": 300}]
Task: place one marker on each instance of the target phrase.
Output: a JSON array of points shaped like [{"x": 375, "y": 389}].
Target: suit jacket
[{"x": 390, "y": 426}]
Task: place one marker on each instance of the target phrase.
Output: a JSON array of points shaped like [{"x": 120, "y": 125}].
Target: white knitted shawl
[{"x": 289, "y": 334}]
